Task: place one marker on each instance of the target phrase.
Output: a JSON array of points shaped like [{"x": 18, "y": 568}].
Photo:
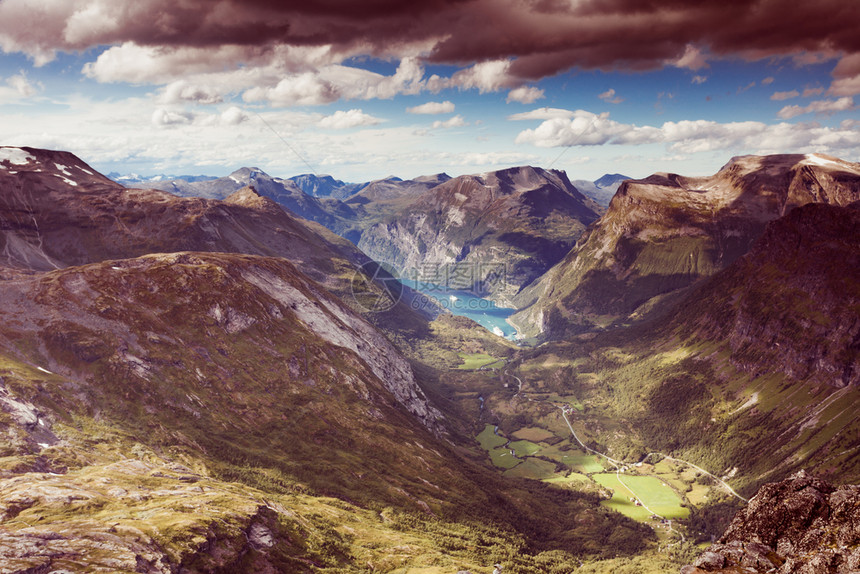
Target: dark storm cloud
[{"x": 545, "y": 37}]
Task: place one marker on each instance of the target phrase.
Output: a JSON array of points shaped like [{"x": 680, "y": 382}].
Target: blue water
[{"x": 466, "y": 304}]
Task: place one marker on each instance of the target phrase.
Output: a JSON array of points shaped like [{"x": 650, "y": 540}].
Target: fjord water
[{"x": 467, "y": 304}]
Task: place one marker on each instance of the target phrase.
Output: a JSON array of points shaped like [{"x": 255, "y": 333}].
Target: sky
[{"x": 364, "y": 90}]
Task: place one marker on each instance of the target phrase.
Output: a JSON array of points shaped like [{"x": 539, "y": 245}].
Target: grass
[
  {"x": 653, "y": 493},
  {"x": 576, "y": 459},
  {"x": 533, "y": 468},
  {"x": 574, "y": 478},
  {"x": 473, "y": 361},
  {"x": 534, "y": 434},
  {"x": 489, "y": 440},
  {"x": 525, "y": 448},
  {"x": 503, "y": 458}
]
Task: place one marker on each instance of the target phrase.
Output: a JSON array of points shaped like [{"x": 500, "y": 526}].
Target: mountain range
[
  {"x": 663, "y": 233},
  {"x": 208, "y": 381},
  {"x": 518, "y": 222}
]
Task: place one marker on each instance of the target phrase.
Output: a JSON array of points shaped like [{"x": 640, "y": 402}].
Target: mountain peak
[
  {"x": 65, "y": 166},
  {"x": 248, "y": 172},
  {"x": 610, "y": 179}
]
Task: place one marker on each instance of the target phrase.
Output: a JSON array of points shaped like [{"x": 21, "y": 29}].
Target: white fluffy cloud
[
  {"x": 341, "y": 120},
  {"x": 542, "y": 114},
  {"x": 525, "y": 95},
  {"x": 817, "y": 107},
  {"x": 301, "y": 90},
  {"x": 445, "y": 107},
  {"x": 489, "y": 76},
  {"x": 164, "y": 118},
  {"x": 455, "y": 122},
  {"x": 234, "y": 116},
  {"x": 583, "y": 128},
  {"x": 281, "y": 76}
]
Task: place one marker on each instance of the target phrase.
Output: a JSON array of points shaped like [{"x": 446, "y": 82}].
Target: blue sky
[{"x": 588, "y": 87}]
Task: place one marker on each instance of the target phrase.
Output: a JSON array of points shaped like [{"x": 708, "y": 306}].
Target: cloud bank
[
  {"x": 583, "y": 128},
  {"x": 497, "y": 44}
]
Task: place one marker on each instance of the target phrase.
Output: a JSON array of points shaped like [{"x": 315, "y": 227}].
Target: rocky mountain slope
[
  {"x": 800, "y": 525},
  {"x": 664, "y": 233},
  {"x": 790, "y": 303},
  {"x": 494, "y": 232},
  {"x": 57, "y": 211}
]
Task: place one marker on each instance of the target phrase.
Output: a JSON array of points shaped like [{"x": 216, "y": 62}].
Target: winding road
[{"x": 618, "y": 464}]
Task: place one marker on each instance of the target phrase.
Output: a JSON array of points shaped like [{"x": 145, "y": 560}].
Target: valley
[{"x": 233, "y": 376}]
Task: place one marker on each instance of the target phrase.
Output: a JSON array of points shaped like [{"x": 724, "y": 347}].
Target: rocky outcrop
[{"x": 802, "y": 525}]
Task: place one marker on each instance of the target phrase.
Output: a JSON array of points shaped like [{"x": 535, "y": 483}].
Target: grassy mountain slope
[
  {"x": 753, "y": 376},
  {"x": 245, "y": 371}
]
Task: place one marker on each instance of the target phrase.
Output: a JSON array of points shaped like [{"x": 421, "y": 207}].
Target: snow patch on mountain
[
  {"x": 67, "y": 180},
  {"x": 15, "y": 156},
  {"x": 824, "y": 161}
]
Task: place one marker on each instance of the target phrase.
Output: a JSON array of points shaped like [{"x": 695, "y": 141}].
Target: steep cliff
[
  {"x": 664, "y": 233},
  {"x": 491, "y": 233}
]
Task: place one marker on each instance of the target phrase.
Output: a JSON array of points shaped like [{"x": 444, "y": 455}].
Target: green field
[
  {"x": 574, "y": 458},
  {"x": 525, "y": 448},
  {"x": 503, "y": 458},
  {"x": 534, "y": 434},
  {"x": 660, "y": 498},
  {"x": 533, "y": 468},
  {"x": 477, "y": 360},
  {"x": 489, "y": 439}
]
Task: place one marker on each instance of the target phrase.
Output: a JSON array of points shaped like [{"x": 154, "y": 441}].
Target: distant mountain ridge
[
  {"x": 539, "y": 230},
  {"x": 324, "y": 185},
  {"x": 327, "y": 212},
  {"x": 133, "y": 178},
  {"x": 494, "y": 232},
  {"x": 602, "y": 189},
  {"x": 663, "y": 233}
]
